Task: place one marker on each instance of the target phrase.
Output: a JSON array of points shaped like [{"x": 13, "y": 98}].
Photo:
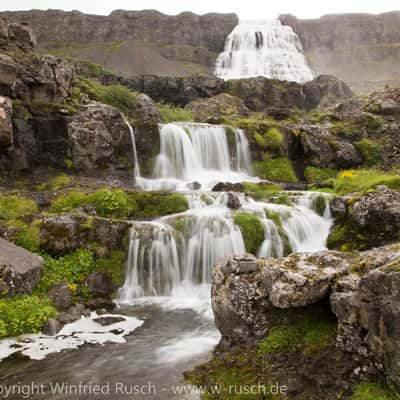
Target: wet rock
[
  {"x": 109, "y": 320},
  {"x": 100, "y": 284},
  {"x": 98, "y": 135},
  {"x": 20, "y": 270},
  {"x": 194, "y": 186},
  {"x": 73, "y": 314},
  {"x": 61, "y": 296},
  {"x": 52, "y": 327},
  {"x": 233, "y": 202},
  {"x": 100, "y": 303},
  {"x": 215, "y": 109},
  {"x": 228, "y": 187}
]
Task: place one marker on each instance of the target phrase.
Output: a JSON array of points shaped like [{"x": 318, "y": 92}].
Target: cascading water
[
  {"x": 136, "y": 166},
  {"x": 263, "y": 48},
  {"x": 202, "y": 153}
]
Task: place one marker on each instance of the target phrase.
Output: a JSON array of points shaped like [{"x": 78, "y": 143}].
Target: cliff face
[
  {"x": 133, "y": 42},
  {"x": 361, "y": 49}
]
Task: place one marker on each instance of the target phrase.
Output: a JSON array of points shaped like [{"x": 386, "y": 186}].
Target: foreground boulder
[
  {"x": 20, "y": 270},
  {"x": 366, "y": 221},
  {"x": 250, "y": 296}
]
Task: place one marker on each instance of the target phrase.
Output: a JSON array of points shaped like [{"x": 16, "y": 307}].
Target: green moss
[
  {"x": 56, "y": 183},
  {"x": 261, "y": 191},
  {"x": 371, "y": 150},
  {"x": 114, "y": 265},
  {"x": 252, "y": 231},
  {"x": 320, "y": 205},
  {"x": 319, "y": 175},
  {"x": 28, "y": 235},
  {"x": 274, "y": 216},
  {"x": 307, "y": 330},
  {"x": 373, "y": 391},
  {"x": 115, "y": 203},
  {"x": 275, "y": 169},
  {"x": 372, "y": 123},
  {"x": 24, "y": 314},
  {"x": 345, "y": 129},
  {"x": 171, "y": 113},
  {"x": 15, "y": 206}
]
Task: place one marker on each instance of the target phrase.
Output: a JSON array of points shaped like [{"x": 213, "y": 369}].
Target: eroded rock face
[
  {"x": 20, "y": 270},
  {"x": 97, "y": 135},
  {"x": 6, "y": 128}
]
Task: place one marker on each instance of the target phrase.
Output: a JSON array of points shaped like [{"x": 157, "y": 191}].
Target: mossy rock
[{"x": 252, "y": 230}]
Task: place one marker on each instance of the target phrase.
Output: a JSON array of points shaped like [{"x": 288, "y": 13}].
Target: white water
[
  {"x": 136, "y": 166},
  {"x": 263, "y": 48},
  {"x": 203, "y": 153}
]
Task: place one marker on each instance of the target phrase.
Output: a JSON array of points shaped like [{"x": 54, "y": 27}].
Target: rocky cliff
[
  {"x": 133, "y": 42},
  {"x": 361, "y": 49}
]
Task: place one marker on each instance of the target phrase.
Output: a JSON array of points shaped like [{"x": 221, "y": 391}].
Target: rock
[
  {"x": 52, "y": 327},
  {"x": 233, "y": 202},
  {"x": 20, "y": 270},
  {"x": 6, "y": 127},
  {"x": 98, "y": 134},
  {"x": 367, "y": 221},
  {"x": 8, "y": 73},
  {"x": 194, "y": 186},
  {"x": 3, "y": 30},
  {"x": 100, "y": 284},
  {"x": 228, "y": 187},
  {"x": 109, "y": 320},
  {"x": 61, "y": 296},
  {"x": 63, "y": 233},
  {"x": 22, "y": 34},
  {"x": 73, "y": 314},
  {"x": 100, "y": 303},
  {"x": 216, "y": 109},
  {"x": 279, "y": 113}
]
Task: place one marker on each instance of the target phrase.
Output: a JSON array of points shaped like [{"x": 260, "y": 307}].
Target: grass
[
  {"x": 307, "y": 331},
  {"x": 271, "y": 140},
  {"x": 56, "y": 183},
  {"x": 252, "y": 231},
  {"x": 319, "y": 175},
  {"x": 261, "y": 191},
  {"x": 171, "y": 113},
  {"x": 362, "y": 180},
  {"x": 15, "y": 206},
  {"x": 275, "y": 169},
  {"x": 373, "y": 391},
  {"x": 115, "y": 203},
  {"x": 24, "y": 314},
  {"x": 371, "y": 151}
]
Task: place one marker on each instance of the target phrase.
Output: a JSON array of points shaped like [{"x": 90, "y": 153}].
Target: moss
[
  {"x": 282, "y": 198},
  {"x": 307, "y": 330},
  {"x": 252, "y": 231},
  {"x": 373, "y": 124},
  {"x": 24, "y": 314},
  {"x": 319, "y": 175},
  {"x": 114, "y": 265},
  {"x": 274, "y": 216},
  {"x": 16, "y": 206},
  {"x": 27, "y": 235},
  {"x": 373, "y": 391},
  {"x": 56, "y": 183},
  {"x": 346, "y": 129},
  {"x": 171, "y": 113},
  {"x": 371, "y": 150},
  {"x": 275, "y": 169},
  {"x": 261, "y": 191},
  {"x": 320, "y": 205}
]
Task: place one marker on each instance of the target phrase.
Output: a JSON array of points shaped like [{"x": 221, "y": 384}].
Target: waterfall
[
  {"x": 263, "y": 48},
  {"x": 203, "y": 153},
  {"x": 180, "y": 250},
  {"x": 136, "y": 167}
]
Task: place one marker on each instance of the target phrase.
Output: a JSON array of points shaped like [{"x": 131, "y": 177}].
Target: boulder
[
  {"x": 100, "y": 284},
  {"x": 61, "y": 296},
  {"x": 22, "y": 34},
  {"x": 52, "y": 327},
  {"x": 228, "y": 187},
  {"x": 215, "y": 109},
  {"x": 20, "y": 270},
  {"x": 73, "y": 314},
  {"x": 233, "y": 201},
  {"x": 109, "y": 320},
  {"x": 98, "y": 135}
]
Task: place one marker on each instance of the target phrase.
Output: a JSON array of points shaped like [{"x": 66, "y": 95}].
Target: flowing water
[
  {"x": 263, "y": 48},
  {"x": 169, "y": 266}
]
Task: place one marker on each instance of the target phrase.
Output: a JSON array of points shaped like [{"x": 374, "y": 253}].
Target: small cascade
[
  {"x": 180, "y": 250},
  {"x": 203, "y": 153},
  {"x": 136, "y": 166},
  {"x": 263, "y": 48}
]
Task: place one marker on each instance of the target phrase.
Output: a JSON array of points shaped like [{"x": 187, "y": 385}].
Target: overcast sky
[{"x": 246, "y": 9}]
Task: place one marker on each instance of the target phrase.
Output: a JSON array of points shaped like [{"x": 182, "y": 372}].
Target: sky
[{"x": 245, "y": 9}]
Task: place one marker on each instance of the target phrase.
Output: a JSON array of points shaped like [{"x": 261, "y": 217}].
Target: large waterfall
[{"x": 263, "y": 48}]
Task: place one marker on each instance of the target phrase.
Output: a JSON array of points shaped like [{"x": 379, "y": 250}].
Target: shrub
[
  {"x": 319, "y": 175},
  {"x": 111, "y": 203},
  {"x": 172, "y": 113},
  {"x": 276, "y": 169},
  {"x": 24, "y": 314},
  {"x": 252, "y": 231},
  {"x": 68, "y": 202},
  {"x": 15, "y": 206},
  {"x": 371, "y": 151},
  {"x": 73, "y": 268}
]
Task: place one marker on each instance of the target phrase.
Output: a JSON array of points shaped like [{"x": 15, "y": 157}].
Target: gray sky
[{"x": 247, "y": 9}]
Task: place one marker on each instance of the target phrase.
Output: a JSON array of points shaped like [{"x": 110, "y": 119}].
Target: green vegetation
[
  {"x": 252, "y": 231},
  {"x": 371, "y": 151},
  {"x": 373, "y": 391},
  {"x": 261, "y": 191},
  {"x": 276, "y": 218},
  {"x": 320, "y": 205},
  {"x": 73, "y": 268},
  {"x": 319, "y": 175},
  {"x": 171, "y": 113},
  {"x": 89, "y": 69},
  {"x": 275, "y": 169},
  {"x": 24, "y": 314},
  {"x": 346, "y": 129},
  {"x": 114, "y": 265},
  {"x": 27, "y": 235},
  {"x": 56, "y": 183},
  {"x": 271, "y": 140},
  {"x": 306, "y": 330},
  {"x": 362, "y": 180},
  {"x": 115, "y": 203},
  {"x": 15, "y": 206}
]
